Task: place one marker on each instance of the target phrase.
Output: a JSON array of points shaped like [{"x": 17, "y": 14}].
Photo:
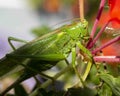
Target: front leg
[
  {"x": 90, "y": 60},
  {"x": 74, "y": 66}
]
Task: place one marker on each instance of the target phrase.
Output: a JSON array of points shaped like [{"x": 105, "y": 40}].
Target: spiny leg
[
  {"x": 15, "y": 39},
  {"x": 41, "y": 74},
  {"x": 36, "y": 57},
  {"x": 74, "y": 66},
  {"x": 90, "y": 62},
  {"x": 23, "y": 77},
  {"x": 48, "y": 57},
  {"x": 58, "y": 57},
  {"x": 33, "y": 70}
]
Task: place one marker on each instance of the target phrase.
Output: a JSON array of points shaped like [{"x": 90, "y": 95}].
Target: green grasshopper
[{"x": 43, "y": 53}]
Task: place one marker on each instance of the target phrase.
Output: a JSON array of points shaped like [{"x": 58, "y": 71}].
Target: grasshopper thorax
[{"x": 77, "y": 30}]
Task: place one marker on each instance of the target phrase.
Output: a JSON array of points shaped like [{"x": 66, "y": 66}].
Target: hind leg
[{"x": 15, "y": 39}]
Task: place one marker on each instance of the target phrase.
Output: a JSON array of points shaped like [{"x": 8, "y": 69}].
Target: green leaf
[
  {"x": 105, "y": 91},
  {"x": 93, "y": 77},
  {"x": 113, "y": 83}
]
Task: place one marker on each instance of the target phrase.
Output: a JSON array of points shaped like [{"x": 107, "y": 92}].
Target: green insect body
[{"x": 44, "y": 52}]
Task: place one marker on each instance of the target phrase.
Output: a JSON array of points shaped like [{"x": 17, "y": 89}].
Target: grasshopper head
[{"x": 78, "y": 30}]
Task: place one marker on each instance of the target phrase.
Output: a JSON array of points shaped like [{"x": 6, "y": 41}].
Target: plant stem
[
  {"x": 106, "y": 44},
  {"x": 97, "y": 18},
  {"x": 98, "y": 35},
  {"x": 87, "y": 70},
  {"x": 81, "y": 9},
  {"x": 108, "y": 59}
]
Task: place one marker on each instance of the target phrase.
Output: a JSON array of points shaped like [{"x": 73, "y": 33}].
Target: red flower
[{"x": 114, "y": 13}]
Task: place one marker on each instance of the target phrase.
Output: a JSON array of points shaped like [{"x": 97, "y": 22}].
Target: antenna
[{"x": 81, "y": 9}]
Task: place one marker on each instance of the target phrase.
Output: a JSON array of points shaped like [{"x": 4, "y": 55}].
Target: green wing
[{"x": 41, "y": 46}]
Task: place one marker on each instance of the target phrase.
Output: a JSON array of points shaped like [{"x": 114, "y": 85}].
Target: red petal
[
  {"x": 114, "y": 12},
  {"x": 111, "y": 3}
]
